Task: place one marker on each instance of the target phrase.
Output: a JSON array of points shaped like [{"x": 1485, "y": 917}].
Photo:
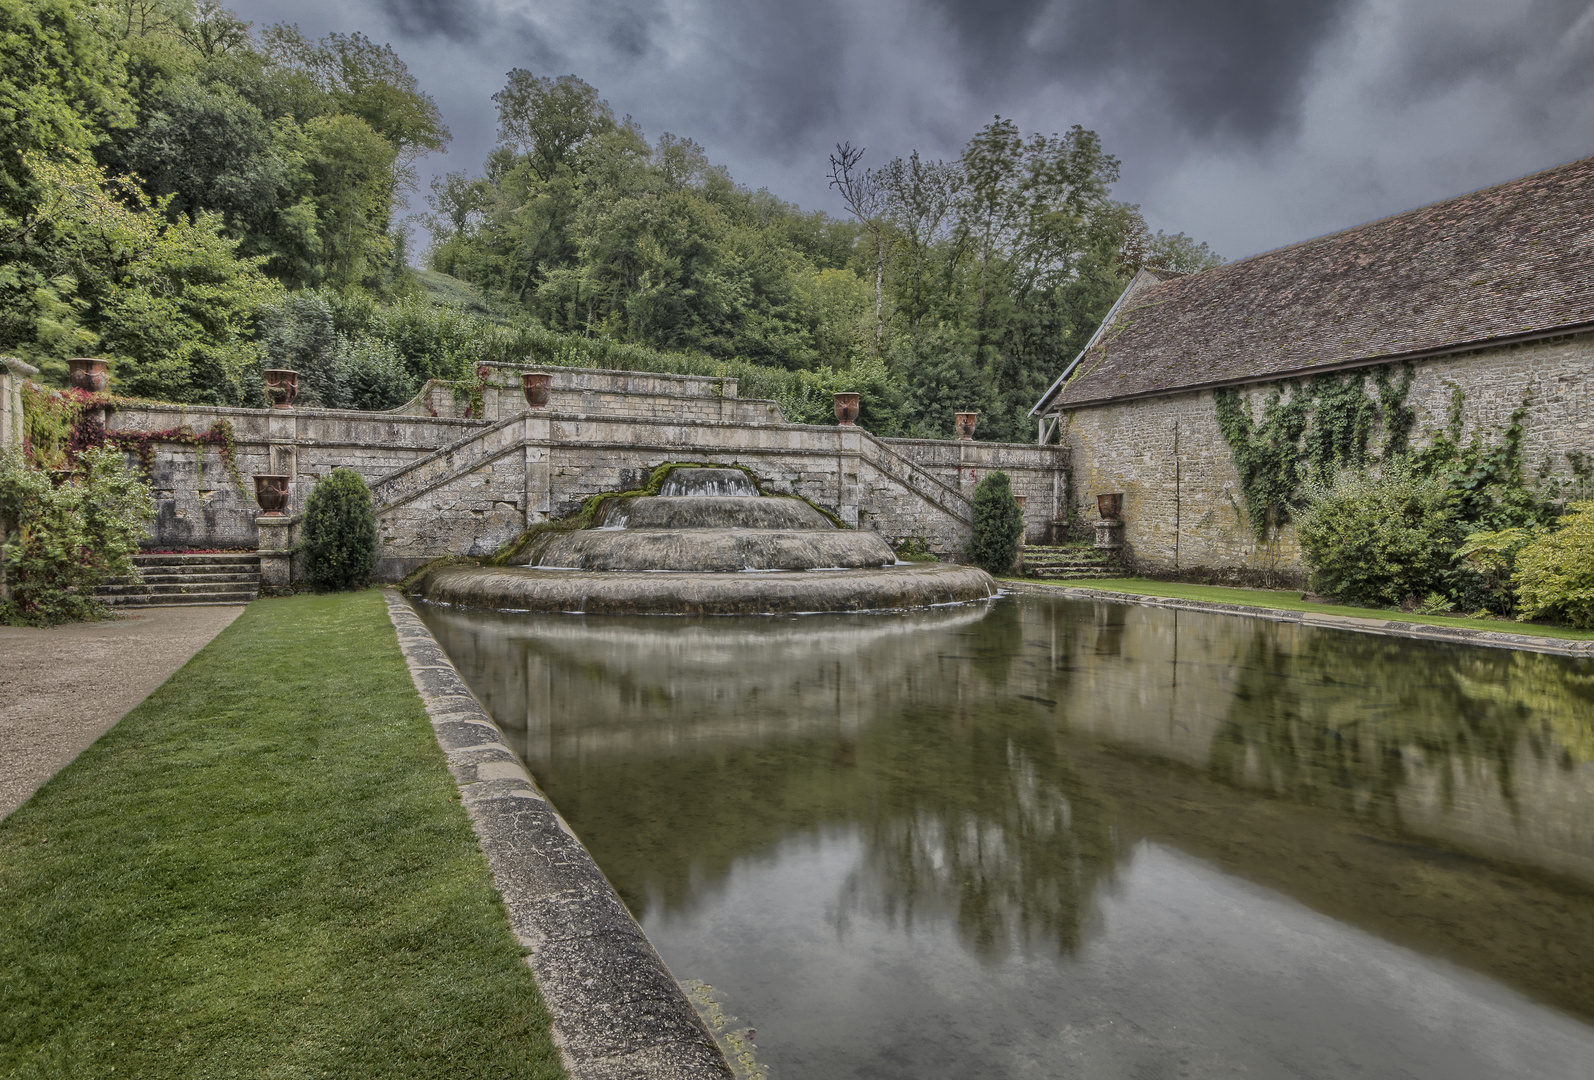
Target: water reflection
[{"x": 989, "y": 774}]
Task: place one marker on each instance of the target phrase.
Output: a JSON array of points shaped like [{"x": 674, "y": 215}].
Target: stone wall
[
  {"x": 1182, "y": 504},
  {"x": 451, "y": 484}
]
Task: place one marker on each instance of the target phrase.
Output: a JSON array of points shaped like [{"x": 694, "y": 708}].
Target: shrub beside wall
[
  {"x": 340, "y": 539},
  {"x": 998, "y": 525},
  {"x": 1554, "y": 574},
  {"x": 60, "y": 542}
]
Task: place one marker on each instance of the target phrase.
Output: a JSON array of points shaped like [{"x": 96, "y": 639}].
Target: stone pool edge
[
  {"x": 617, "y": 1011},
  {"x": 1460, "y": 635}
]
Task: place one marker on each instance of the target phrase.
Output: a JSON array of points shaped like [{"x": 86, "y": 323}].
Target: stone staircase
[
  {"x": 1080, "y": 560},
  {"x": 187, "y": 581}
]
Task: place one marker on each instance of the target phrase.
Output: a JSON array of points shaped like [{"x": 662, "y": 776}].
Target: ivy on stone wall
[{"x": 1328, "y": 422}]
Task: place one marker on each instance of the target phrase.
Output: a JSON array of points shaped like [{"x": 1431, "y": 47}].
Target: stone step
[
  {"x": 155, "y": 576},
  {"x": 187, "y": 580},
  {"x": 1068, "y": 575},
  {"x": 197, "y": 569},
  {"x": 242, "y": 559},
  {"x": 167, "y": 589},
  {"x": 180, "y": 600}
]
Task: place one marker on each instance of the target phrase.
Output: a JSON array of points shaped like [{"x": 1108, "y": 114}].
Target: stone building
[{"x": 1461, "y": 311}]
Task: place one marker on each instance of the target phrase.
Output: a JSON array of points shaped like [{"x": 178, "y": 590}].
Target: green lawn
[
  {"x": 1291, "y": 601},
  {"x": 263, "y": 871}
]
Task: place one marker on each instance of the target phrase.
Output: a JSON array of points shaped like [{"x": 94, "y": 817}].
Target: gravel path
[{"x": 60, "y": 689}]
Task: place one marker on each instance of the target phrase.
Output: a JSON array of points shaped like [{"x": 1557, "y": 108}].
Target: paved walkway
[{"x": 60, "y": 689}]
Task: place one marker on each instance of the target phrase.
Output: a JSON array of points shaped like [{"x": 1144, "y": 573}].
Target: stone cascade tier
[
  {"x": 710, "y": 544},
  {"x": 186, "y": 581},
  {"x": 709, "y": 521}
]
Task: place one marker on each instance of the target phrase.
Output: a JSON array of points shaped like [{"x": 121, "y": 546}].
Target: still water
[{"x": 1042, "y": 838}]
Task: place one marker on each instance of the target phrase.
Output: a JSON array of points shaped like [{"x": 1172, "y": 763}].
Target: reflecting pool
[{"x": 1040, "y": 838}]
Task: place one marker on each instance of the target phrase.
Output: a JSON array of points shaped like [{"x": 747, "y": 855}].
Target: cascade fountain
[{"x": 709, "y": 543}]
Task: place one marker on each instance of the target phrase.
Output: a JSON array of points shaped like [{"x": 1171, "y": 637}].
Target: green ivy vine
[{"x": 1328, "y": 422}]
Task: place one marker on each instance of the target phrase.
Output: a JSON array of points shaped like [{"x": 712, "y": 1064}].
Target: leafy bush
[
  {"x": 58, "y": 543},
  {"x": 336, "y": 371},
  {"x": 998, "y": 525},
  {"x": 340, "y": 541},
  {"x": 1554, "y": 574},
  {"x": 1378, "y": 537}
]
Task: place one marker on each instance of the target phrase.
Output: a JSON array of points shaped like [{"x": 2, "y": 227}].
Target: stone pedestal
[
  {"x": 276, "y": 532},
  {"x": 1109, "y": 534}
]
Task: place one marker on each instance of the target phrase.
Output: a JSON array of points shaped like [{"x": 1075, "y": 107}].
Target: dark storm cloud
[
  {"x": 1217, "y": 66},
  {"x": 1544, "y": 53},
  {"x": 1248, "y": 123}
]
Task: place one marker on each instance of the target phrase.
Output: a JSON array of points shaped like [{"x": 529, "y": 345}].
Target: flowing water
[{"x": 1040, "y": 838}]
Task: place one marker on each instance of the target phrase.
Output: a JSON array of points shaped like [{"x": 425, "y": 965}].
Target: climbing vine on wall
[{"x": 1328, "y": 422}]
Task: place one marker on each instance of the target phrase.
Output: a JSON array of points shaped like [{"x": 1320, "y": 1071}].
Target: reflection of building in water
[
  {"x": 1485, "y": 750},
  {"x": 567, "y": 686},
  {"x": 997, "y": 763}
]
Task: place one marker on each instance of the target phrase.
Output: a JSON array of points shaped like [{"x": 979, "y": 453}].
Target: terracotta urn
[
  {"x": 537, "y": 386},
  {"x": 846, "y": 409},
  {"x": 271, "y": 492},
  {"x": 88, "y": 373},
  {"x": 1110, "y": 507},
  {"x": 1021, "y": 500},
  {"x": 282, "y": 386},
  {"x": 964, "y": 423}
]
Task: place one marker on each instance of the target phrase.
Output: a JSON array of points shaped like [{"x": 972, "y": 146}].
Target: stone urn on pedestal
[
  {"x": 1110, "y": 526},
  {"x": 538, "y": 388},
  {"x": 271, "y": 492},
  {"x": 963, "y": 424},
  {"x": 88, "y": 373},
  {"x": 282, "y": 386},
  {"x": 846, "y": 408}
]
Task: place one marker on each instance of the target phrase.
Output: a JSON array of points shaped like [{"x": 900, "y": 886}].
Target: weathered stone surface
[
  {"x": 526, "y": 589},
  {"x": 617, "y": 1012},
  {"x": 720, "y": 551},
  {"x": 709, "y": 512}
]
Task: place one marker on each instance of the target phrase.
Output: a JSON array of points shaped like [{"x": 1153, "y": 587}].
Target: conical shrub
[
  {"x": 340, "y": 543},
  {"x": 998, "y": 525}
]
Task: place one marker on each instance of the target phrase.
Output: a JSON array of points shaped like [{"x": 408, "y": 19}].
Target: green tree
[{"x": 548, "y": 120}]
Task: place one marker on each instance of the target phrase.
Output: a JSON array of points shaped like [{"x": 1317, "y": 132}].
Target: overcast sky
[{"x": 1246, "y": 123}]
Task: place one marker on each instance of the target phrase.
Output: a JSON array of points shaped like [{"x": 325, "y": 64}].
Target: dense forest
[{"x": 199, "y": 199}]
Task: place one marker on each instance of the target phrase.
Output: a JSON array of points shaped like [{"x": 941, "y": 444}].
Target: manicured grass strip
[
  {"x": 263, "y": 871},
  {"x": 1288, "y": 600}
]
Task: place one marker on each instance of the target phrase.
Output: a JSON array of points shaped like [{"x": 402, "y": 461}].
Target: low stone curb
[
  {"x": 1460, "y": 635},
  {"x": 617, "y": 1012}
]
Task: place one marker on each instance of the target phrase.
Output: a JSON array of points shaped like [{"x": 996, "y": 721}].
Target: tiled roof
[{"x": 1509, "y": 261}]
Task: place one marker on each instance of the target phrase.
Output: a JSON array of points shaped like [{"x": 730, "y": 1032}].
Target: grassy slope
[
  {"x": 263, "y": 871},
  {"x": 1291, "y": 601}
]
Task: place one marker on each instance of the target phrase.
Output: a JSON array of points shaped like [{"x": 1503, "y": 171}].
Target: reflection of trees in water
[
  {"x": 1346, "y": 720},
  {"x": 969, "y": 815},
  {"x": 995, "y": 831}
]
